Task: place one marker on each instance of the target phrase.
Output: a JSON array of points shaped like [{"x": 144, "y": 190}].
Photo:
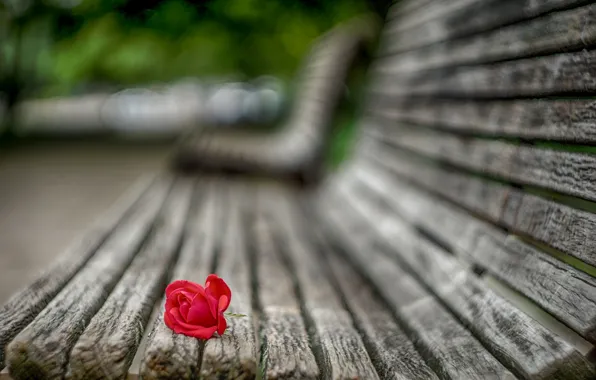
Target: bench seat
[{"x": 340, "y": 283}]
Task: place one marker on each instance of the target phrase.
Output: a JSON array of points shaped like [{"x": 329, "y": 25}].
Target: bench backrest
[
  {"x": 297, "y": 148},
  {"x": 479, "y": 130}
]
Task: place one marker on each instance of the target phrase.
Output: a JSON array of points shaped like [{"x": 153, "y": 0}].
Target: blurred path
[{"x": 51, "y": 192}]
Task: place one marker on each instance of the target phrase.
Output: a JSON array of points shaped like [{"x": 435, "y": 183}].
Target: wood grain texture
[
  {"x": 331, "y": 329},
  {"x": 41, "y": 350},
  {"x": 296, "y": 149},
  {"x": 564, "y": 172},
  {"x": 107, "y": 347},
  {"x": 421, "y": 14},
  {"x": 552, "y": 33},
  {"x": 474, "y": 17},
  {"x": 572, "y": 73},
  {"x": 562, "y": 290},
  {"x": 392, "y": 353},
  {"x": 25, "y": 305},
  {"x": 560, "y": 226},
  {"x": 450, "y": 349},
  {"x": 525, "y": 346},
  {"x": 285, "y": 348},
  {"x": 569, "y": 121},
  {"x": 175, "y": 356},
  {"x": 235, "y": 354}
]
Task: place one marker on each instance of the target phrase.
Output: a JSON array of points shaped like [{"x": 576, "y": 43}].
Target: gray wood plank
[
  {"x": 552, "y": 33},
  {"x": 285, "y": 349},
  {"x": 569, "y": 121},
  {"x": 565, "y": 172},
  {"x": 107, "y": 347},
  {"x": 518, "y": 341},
  {"x": 333, "y": 335},
  {"x": 562, "y": 290},
  {"x": 474, "y": 17},
  {"x": 235, "y": 354},
  {"x": 41, "y": 350},
  {"x": 554, "y": 224},
  {"x": 26, "y": 304},
  {"x": 450, "y": 349},
  {"x": 175, "y": 356},
  {"x": 560, "y": 73},
  {"x": 421, "y": 14},
  {"x": 392, "y": 353}
]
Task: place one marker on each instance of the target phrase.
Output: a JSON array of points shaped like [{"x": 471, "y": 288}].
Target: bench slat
[
  {"x": 389, "y": 347},
  {"x": 573, "y": 73},
  {"x": 342, "y": 349},
  {"x": 432, "y": 11},
  {"x": 562, "y": 290},
  {"x": 41, "y": 350},
  {"x": 25, "y": 305},
  {"x": 234, "y": 355},
  {"x": 109, "y": 343},
  {"x": 565, "y": 172},
  {"x": 175, "y": 356},
  {"x": 392, "y": 353},
  {"x": 285, "y": 349},
  {"x": 552, "y": 33},
  {"x": 529, "y": 215},
  {"x": 514, "y": 338},
  {"x": 475, "y": 17},
  {"x": 448, "y": 347},
  {"x": 570, "y": 121}
]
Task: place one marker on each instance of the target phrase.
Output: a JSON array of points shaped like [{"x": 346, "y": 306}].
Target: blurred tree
[{"x": 135, "y": 41}]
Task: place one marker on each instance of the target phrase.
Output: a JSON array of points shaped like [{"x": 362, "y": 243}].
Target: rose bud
[{"x": 197, "y": 311}]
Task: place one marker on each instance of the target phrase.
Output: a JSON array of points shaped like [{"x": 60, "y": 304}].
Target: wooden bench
[
  {"x": 296, "y": 150},
  {"x": 456, "y": 244}
]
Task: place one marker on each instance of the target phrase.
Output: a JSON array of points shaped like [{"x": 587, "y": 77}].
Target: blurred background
[{"x": 94, "y": 92}]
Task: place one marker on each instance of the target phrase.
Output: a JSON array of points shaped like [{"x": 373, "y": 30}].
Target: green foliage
[{"x": 133, "y": 41}]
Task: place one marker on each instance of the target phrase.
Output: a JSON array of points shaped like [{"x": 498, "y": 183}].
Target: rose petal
[
  {"x": 184, "y": 309},
  {"x": 201, "y": 332},
  {"x": 223, "y": 304},
  {"x": 185, "y": 285},
  {"x": 168, "y": 320},
  {"x": 222, "y": 324},
  {"x": 218, "y": 288},
  {"x": 200, "y": 313},
  {"x": 212, "y": 302}
]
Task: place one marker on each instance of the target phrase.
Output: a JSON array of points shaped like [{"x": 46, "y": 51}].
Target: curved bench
[
  {"x": 297, "y": 148},
  {"x": 457, "y": 243}
]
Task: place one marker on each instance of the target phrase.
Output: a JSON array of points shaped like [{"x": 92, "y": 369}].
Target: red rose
[{"x": 196, "y": 311}]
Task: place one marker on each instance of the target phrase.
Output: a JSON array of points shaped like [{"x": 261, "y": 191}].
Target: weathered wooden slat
[
  {"x": 330, "y": 325},
  {"x": 571, "y": 73},
  {"x": 108, "y": 345},
  {"x": 421, "y": 14},
  {"x": 235, "y": 354},
  {"x": 565, "y": 172},
  {"x": 562, "y": 290},
  {"x": 41, "y": 350},
  {"x": 392, "y": 353},
  {"x": 403, "y": 7},
  {"x": 474, "y": 17},
  {"x": 25, "y": 305},
  {"x": 522, "y": 213},
  {"x": 285, "y": 349},
  {"x": 552, "y": 33},
  {"x": 569, "y": 121},
  {"x": 450, "y": 349},
  {"x": 518, "y": 341},
  {"x": 175, "y": 356}
]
